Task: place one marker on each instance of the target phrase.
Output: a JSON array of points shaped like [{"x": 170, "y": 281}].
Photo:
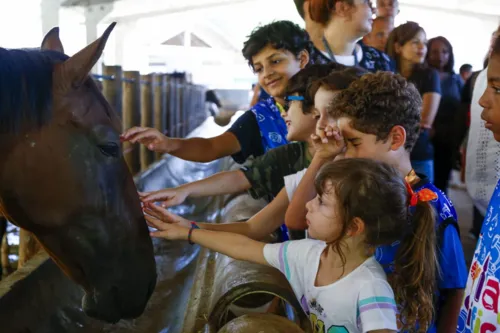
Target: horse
[{"x": 63, "y": 176}]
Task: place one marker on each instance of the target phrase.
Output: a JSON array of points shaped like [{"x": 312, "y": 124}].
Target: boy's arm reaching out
[{"x": 227, "y": 182}]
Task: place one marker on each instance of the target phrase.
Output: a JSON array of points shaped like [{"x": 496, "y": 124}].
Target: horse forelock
[{"x": 26, "y": 88}]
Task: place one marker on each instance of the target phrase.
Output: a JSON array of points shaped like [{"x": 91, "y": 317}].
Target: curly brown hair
[
  {"x": 377, "y": 102},
  {"x": 375, "y": 193}
]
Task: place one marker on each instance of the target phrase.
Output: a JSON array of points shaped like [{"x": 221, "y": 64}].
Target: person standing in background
[
  {"x": 314, "y": 29},
  {"x": 346, "y": 22},
  {"x": 465, "y": 71},
  {"x": 387, "y": 8},
  {"x": 407, "y": 45},
  {"x": 444, "y": 138},
  {"x": 381, "y": 28}
]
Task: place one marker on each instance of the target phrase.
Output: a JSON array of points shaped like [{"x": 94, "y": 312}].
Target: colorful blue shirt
[
  {"x": 450, "y": 254},
  {"x": 480, "y": 311},
  {"x": 259, "y": 130}
]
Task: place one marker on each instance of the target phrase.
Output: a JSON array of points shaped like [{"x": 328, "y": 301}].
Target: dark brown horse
[{"x": 63, "y": 176}]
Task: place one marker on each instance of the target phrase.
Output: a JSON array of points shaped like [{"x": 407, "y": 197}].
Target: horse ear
[
  {"x": 52, "y": 42},
  {"x": 75, "y": 70}
]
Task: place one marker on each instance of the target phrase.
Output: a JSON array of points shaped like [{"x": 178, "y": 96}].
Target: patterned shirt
[
  {"x": 258, "y": 130},
  {"x": 372, "y": 59}
]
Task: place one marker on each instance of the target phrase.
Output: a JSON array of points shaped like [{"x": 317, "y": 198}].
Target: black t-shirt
[
  {"x": 247, "y": 131},
  {"x": 449, "y": 107},
  {"x": 426, "y": 80}
]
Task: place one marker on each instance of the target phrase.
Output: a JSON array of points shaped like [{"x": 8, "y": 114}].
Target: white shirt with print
[
  {"x": 360, "y": 302},
  {"x": 483, "y": 152}
]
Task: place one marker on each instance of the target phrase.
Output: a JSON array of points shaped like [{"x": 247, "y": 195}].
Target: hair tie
[{"x": 423, "y": 195}]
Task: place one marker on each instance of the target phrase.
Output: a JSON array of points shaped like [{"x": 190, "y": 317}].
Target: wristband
[{"x": 193, "y": 226}]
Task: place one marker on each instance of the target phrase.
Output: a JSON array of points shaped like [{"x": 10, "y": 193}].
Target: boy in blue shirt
[
  {"x": 275, "y": 52},
  {"x": 480, "y": 311}
]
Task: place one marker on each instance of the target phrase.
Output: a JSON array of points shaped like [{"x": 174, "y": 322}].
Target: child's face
[
  {"x": 300, "y": 126},
  {"x": 322, "y": 218},
  {"x": 363, "y": 145},
  {"x": 490, "y": 100},
  {"x": 275, "y": 67},
  {"x": 415, "y": 49},
  {"x": 322, "y": 100}
]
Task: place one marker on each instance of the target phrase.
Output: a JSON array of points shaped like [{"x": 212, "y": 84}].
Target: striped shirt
[{"x": 360, "y": 302}]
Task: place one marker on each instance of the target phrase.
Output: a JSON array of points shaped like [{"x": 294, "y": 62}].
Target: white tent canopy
[{"x": 205, "y": 37}]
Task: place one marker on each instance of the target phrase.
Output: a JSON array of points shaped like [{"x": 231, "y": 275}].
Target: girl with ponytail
[{"x": 361, "y": 204}]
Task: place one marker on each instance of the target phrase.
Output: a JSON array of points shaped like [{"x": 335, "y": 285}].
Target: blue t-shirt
[
  {"x": 480, "y": 311},
  {"x": 451, "y": 256},
  {"x": 259, "y": 130}
]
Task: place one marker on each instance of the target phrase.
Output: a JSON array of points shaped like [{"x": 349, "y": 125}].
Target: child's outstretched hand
[
  {"x": 169, "y": 225},
  {"x": 170, "y": 196},
  {"x": 328, "y": 142},
  {"x": 150, "y": 137}
]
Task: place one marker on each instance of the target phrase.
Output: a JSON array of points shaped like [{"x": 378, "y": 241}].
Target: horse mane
[{"x": 26, "y": 88}]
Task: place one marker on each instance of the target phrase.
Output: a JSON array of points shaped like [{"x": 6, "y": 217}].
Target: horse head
[{"x": 63, "y": 176}]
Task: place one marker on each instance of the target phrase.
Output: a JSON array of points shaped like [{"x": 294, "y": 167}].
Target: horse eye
[{"x": 110, "y": 149}]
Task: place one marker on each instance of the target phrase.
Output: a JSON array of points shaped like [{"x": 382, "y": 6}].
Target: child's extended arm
[
  {"x": 233, "y": 245},
  {"x": 257, "y": 227},
  {"x": 227, "y": 182},
  {"x": 192, "y": 149},
  {"x": 327, "y": 148}
]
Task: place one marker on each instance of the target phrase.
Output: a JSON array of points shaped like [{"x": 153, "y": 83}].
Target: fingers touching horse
[{"x": 63, "y": 176}]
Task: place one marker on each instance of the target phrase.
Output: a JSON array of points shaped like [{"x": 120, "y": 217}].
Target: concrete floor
[{"x": 463, "y": 206}]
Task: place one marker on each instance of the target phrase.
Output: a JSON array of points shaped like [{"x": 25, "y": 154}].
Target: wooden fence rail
[{"x": 165, "y": 101}]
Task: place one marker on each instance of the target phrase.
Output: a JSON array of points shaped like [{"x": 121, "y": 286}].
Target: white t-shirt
[
  {"x": 482, "y": 170},
  {"x": 360, "y": 302},
  {"x": 347, "y": 60},
  {"x": 292, "y": 182}
]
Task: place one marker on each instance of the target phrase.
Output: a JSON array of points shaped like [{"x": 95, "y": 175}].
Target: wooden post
[
  {"x": 147, "y": 101},
  {"x": 28, "y": 247},
  {"x": 112, "y": 88},
  {"x": 6, "y": 268},
  {"x": 159, "y": 105},
  {"x": 131, "y": 116}
]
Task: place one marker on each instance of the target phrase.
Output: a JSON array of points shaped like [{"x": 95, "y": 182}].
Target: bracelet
[{"x": 193, "y": 226}]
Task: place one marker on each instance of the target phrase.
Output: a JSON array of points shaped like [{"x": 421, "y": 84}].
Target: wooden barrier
[
  {"x": 131, "y": 115},
  {"x": 147, "y": 102},
  {"x": 112, "y": 87},
  {"x": 160, "y": 104},
  {"x": 167, "y": 102}
]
